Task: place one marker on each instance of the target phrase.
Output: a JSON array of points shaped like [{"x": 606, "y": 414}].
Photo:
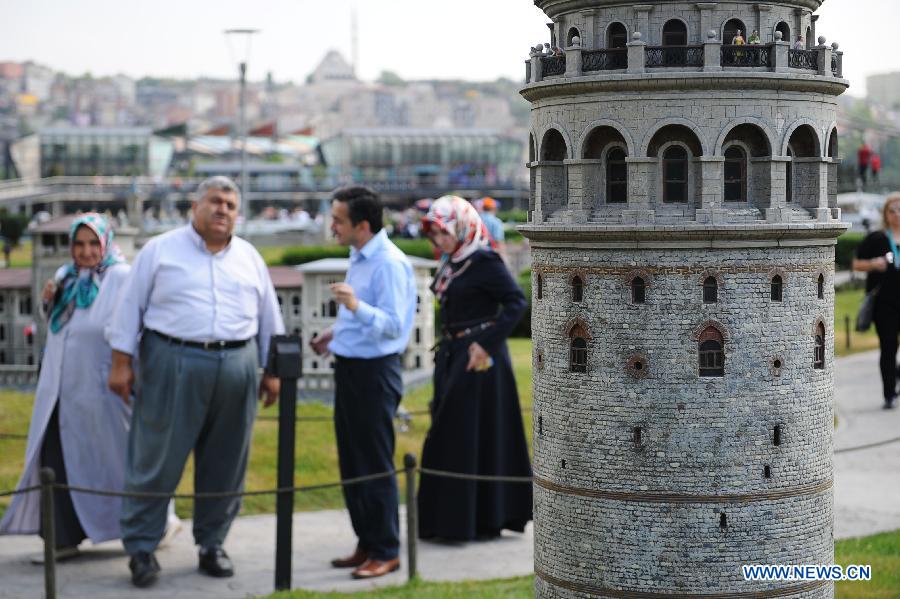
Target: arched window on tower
[
  {"x": 820, "y": 287},
  {"x": 573, "y": 33},
  {"x": 332, "y": 308},
  {"x": 675, "y": 175},
  {"x": 638, "y": 290},
  {"x": 540, "y": 286},
  {"x": 616, "y": 177},
  {"x": 577, "y": 289},
  {"x": 735, "y": 175},
  {"x": 777, "y": 288},
  {"x": 785, "y": 30},
  {"x": 819, "y": 351},
  {"x": 674, "y": 33},
  {"x": 578, "y": 354},
  {"x": 711, "y": 353},
  {"x": 616, "y": 36},
  {"x": 731, "y": 29},
  {"x": 710, "y": 290}
]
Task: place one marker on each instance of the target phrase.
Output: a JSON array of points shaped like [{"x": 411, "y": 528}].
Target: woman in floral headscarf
[
  {"x": 78, "y": 427},
  {"x": 476, "y": 421}
]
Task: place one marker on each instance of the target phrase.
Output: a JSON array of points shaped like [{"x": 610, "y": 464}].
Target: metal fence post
[
  {"x": 847, "y": 329},
  {"x": 412, "y": 516},
  {"x": 48, "y": 528},
  {"x": 284, "y": 362}
]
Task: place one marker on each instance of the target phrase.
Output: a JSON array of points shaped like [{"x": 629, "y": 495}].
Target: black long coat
[{"x": 476, "y": 423}]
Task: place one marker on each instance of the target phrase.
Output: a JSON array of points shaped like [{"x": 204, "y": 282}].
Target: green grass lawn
[
  {"x": 881, "y": 551},
  {"x": 846, "y": 304}
]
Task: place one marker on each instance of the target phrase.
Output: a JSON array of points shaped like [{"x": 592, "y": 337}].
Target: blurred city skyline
[{"x": 416, "y": 39}]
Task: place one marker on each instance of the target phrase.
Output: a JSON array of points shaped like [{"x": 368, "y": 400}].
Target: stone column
[
  {"x": 705, "y": 9},
  {"x": 537, "y": 216},
  {"x": 824, "y": 58},
  {"x": 762, "y": 22},
  {"x": 573, "y": 58},
  {"x": 712, "y": 52},
  {"x": 823, "y": 211},
  {"x": 711, "y": 173},
  {"x": 641, "y": 182},
  {"x": 636, "y": 53},
  {"x": 537, "y": 67},
  {"x": 642, "y": 18},
  {"x": 776, "y": 212},
  {"x": 780, "y": 63},
  {"x": 578, "y": 200},
  {"x": 589, "y": 33},
  {"x": 812, "y": 24}
]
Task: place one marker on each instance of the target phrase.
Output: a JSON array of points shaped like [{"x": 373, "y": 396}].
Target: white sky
[{"x": 469, "y": 39}]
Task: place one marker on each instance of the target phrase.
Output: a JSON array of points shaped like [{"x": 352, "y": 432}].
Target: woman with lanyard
[
  {"x": 476, "y": 420},
  {"x": 79, "y": 428},
  {"x": 878, "y": 255}
]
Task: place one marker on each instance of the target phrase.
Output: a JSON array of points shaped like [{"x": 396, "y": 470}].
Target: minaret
[{"x": 682, "y": 224}]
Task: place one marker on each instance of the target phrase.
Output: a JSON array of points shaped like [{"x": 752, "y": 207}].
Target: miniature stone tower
[{"x": 683, "y": 223}]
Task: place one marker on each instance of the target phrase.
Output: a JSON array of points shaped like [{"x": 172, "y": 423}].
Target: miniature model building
[
  {"x": 682, "y": 226},
  {"x": 320, "y": 311}
]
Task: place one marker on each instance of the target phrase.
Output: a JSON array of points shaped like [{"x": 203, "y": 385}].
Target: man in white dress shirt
[{"x": 198, "y": 309}]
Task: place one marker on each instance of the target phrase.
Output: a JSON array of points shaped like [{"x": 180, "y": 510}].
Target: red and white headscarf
[{"x": 457, "y": 217}]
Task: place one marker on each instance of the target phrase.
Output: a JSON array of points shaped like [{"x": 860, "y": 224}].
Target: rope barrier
[
  {"x": 867, "y": 446},
  {"x": 20, "y": 491},
  {"x": 301, "y": 489},
  {"x": 476, "y": 477}
]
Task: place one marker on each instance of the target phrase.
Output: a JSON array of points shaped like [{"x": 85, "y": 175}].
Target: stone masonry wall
[{"x": 699, "y": 436}]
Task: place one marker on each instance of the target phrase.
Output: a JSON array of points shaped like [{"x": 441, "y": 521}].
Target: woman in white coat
[{"x": 78, "y": 427}]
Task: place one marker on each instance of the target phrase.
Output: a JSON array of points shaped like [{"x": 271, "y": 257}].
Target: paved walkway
[{"x": 866, "y": 488}]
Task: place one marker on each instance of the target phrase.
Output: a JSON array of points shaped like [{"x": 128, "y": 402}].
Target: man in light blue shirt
[{"x": 377, "y": 306}]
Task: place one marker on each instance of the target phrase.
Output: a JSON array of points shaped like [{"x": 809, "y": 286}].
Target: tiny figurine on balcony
[
  {"x": 738, "y": 39},
  {"x": 799, "y": 44},
  {"x": 754, "y": 38}
]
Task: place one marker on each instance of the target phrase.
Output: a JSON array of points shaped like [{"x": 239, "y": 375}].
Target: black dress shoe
[
  {"x": 890, "y": 403},
  {"x": 144, "y": 569},
  {"x": 215, "y": 562}
]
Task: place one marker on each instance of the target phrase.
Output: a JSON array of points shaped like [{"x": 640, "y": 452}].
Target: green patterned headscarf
[{"x": 78, "y": 288}]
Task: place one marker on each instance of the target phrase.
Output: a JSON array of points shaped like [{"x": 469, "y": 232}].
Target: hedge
[
  {"x": 846, "y": 249},
  {"x": 309, "y": 253}
]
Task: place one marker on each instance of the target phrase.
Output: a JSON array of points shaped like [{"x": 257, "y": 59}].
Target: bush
[
  {"x": 846, "y": 249},
  {"x": 310, "y": 253},
  {"x": 517, "y": 216},
  {"x": 421, "y": 248}
]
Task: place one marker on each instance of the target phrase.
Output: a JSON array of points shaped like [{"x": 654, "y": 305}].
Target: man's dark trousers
[{"x": 367, "y": 393}]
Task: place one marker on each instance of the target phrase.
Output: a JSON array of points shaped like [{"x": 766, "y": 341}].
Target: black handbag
[{"x": 867, "y": 311}]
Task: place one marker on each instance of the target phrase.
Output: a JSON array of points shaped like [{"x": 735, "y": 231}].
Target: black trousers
[
  {"x": 69, "y": 532},
  {"x": 887, "y": 324},
  {"x": 367, "y": 393}
]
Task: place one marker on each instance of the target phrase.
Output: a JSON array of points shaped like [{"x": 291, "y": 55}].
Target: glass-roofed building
[{"x": 397, "y": 158}]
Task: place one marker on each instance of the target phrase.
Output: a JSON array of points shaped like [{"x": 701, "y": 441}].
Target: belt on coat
[
  {"x": 207, "y": 345},
  {"x": 469, "y": 331}
]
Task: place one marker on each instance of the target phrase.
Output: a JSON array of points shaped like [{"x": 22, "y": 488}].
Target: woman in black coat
[
  {"x": 878, "y": 256},
  {"x": 476, "y": 425}
]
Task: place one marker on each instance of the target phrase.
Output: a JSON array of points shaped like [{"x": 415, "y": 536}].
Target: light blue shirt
[
  {"x": 494, "y": 226},
  {"x": 382, "y": 279}
]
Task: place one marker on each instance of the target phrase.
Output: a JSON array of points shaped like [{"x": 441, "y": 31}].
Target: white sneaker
[{"x": 173, "y": 527}]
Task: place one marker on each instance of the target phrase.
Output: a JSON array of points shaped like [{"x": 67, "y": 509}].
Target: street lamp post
[{"x": 242, "y": 119}]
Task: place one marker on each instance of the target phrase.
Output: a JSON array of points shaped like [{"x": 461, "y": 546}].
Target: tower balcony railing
[
  {"x": 610, "y": 59},
  {"x": 553, "y": 66},
  {"x": 711, "y": 56},
  {"x": 803, "y": 59},
  {"x": 673, "y": 56},
  {"x": 747, "y": 56}
]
